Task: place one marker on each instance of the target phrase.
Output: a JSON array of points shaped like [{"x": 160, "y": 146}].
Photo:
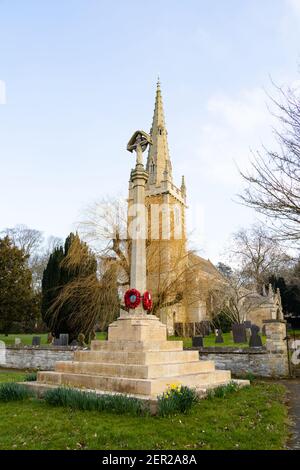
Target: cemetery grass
[
  {"x": 209, "y": 341},
  {"x": 187, "y": 342},
  {"x": 27, "y": 338},
  {"x": 252, "y": 418}
]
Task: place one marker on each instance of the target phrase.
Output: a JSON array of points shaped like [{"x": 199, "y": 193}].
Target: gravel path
[{"x": 293, "y": 387}]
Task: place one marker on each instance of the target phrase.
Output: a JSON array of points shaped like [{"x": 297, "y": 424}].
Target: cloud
[
  {"x": 2, "y": 92},
  {"x": 294, "y": 4},
  {"x": 234, "y": 125}
]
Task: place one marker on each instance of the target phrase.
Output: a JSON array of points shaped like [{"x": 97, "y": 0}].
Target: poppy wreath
[
  {"x": 147, "y": 301},
  {"x": 132, "y": 298}
]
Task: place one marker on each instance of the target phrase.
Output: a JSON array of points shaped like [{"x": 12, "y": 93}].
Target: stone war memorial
[{"x": 137, "y": 359}]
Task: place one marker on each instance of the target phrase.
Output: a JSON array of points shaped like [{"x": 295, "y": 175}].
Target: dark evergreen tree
[
  {"x": 225, "y": 270},
  {"x": 18, "y": 304},
  {"x": 65, "y": 266},
  {"x": 52, "y": 281},
  {"x": 290, "y": 295}
]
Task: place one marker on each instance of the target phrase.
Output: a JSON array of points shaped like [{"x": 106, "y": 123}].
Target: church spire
[{"x": 158, "y": 156}]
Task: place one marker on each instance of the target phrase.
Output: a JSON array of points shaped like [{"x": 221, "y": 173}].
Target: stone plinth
[
  {"x": 275, "y": 334},
  {"x": 137, "y": 360}
]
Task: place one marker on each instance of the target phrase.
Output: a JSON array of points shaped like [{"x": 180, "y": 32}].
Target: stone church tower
[
  {"x": 169, "y": 263},
  {"x": 167, "y": 254},
  {"x": 166, "y": 203}
]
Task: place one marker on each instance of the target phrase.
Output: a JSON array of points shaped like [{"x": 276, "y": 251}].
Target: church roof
[{"x": 204, "y": 265}]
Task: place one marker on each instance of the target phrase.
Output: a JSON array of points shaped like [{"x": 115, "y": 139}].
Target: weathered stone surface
[
  {"x": 239, "y": 333},
  {"x": 35, "y": 358},
  {"x": 240, "y": 363},
  {"x": 219, "y": 337},
  {"x": 197, "y": 341},
  {"x": 36, "y": 341},
  {"x": 136, "y": 359}
]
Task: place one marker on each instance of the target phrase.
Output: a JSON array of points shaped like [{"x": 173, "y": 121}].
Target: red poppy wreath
[
  {"x": 147, "y": 301},
  {"x": 132, "y": 298}
]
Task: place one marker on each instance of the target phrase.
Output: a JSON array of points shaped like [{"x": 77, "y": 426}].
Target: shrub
[
  {"x": 223, "y": 390},
  {"x": 12, "y": 391},
  {"x": 177, "y": 399},
  {"x": 31, "y": 377},
  {"x": 222, "y": 322},
  {"x": 75, "y": 399},
  {"x": 250, "y": 376}
]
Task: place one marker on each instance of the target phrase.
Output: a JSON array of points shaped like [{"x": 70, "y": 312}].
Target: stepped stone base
[{"x": 136, "y": 360}]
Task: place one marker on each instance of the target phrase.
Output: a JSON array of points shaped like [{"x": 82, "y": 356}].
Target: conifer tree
[
  {"x": 17, "y": 299},
  {"x": 58, "y": 275}
]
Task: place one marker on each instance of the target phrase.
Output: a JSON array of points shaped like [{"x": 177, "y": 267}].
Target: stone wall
[
  {"x": 256, "y": 361},
  {"x": 271, "y": 361},
  {"x": 42, "y": 357}
]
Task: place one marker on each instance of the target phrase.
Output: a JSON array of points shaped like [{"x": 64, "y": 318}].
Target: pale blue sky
[{"x": 80, "y": 78}]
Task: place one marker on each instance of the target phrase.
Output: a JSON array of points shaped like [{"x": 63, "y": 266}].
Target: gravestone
[
  {"x": 56, "y": 342},
  {"x": 36, "y": 341},
  {"x": 197, "y": 341},
  {"x": 255, "y": 339},
  {"x": 219, "y": 337},
  {"x": 64, "y": 339},
  {"x": 239, "y": 333},
  {"x": 50, "y": 338},
  {"x": 18, "y": 342}
]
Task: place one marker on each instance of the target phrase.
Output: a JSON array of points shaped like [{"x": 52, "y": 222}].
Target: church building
[{"x": 171, "y": 267}]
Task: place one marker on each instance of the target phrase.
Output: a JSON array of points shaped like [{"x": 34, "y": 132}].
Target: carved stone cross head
[{"x": 139, "y": 142}]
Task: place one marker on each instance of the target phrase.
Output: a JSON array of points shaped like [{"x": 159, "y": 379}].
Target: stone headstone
[
  {"x": 36, "y": 341},
  {"x": 197, "y": 341},
  {"x": 239, "y": 333},
  {"x": 255, "y": 340},
  {"x": 219, "y": 337},
  {"x": 50, "y": 338},
  {"x": 64, "y": 339},
  {"x": 18, "y": 342},
  {"x": 254, "y": 329},
  {"x": 56, "y": 342}
]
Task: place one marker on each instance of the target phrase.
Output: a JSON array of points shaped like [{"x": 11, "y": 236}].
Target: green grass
[
  {"x": 27, "y": 339},
  {"x": 210, "y": 341},
  {"x": 251, "y": 418},
  {"x": 9, "y": 376}
]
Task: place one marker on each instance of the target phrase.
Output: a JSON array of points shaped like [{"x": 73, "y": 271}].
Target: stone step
[
  {"x": 134, "y": 370},
  {"x": 200, "y": 380},
  {"x": 151, "y": 387},
  {"x": 97, "y": 345},
  {"x": 141, "y": 357}
]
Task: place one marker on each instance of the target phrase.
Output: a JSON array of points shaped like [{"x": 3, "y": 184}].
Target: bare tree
[
  {"x": 27, "y": 239},
  {"x": 274, "y": 179},
  {"x": 32, "y": 242},
  {"x": 39, "y": 259},
  {"x": 105, "y": 229},
  {"x": 232, "y": 299},
  {"x": 257, "y": 255}
]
